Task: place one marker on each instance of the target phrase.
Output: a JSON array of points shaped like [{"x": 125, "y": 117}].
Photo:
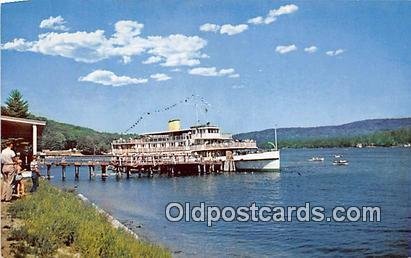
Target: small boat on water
[
  {"x": 316, "y": 159},
  {"x": 340, "y": 162},
  {"x": 337, "y": 156}
]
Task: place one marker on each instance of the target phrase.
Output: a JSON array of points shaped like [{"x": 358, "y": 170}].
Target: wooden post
[
  {"x": 128, "y": 172},
  {"x": 63, "y": 171},
  {"x": 76, "y": 171},
  {"x": 48, "y": 165},
  {"x": 89, "y": 171},
  {"x": 103, "y": 171}
]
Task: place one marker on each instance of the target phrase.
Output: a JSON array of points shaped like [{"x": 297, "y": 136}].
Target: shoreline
[
  {"x": 80, "y": 228},
  {"x": 111, "y": 219}
]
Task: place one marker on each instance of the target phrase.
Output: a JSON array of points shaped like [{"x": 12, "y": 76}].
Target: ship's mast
[{"x": 275, "y": 137}]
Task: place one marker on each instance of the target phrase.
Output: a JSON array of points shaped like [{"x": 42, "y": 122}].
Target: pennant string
[{"x": 166, "y": 108}]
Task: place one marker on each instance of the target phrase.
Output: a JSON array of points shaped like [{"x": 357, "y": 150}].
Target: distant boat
[
  {"x": 316, "y": 159},
  {"x": 359, "y": 145},
  {"x": 340, "y": 162},
  {"x": 337, "y": 156}
]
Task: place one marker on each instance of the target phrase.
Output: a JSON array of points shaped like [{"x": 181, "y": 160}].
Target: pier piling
[
  {"x": 103, "y": 171},
  {"x": 90, "y": 170},
  {"x": 48, "y": 166},
  {"x": 63, "y": 171},
  {"x": 128, "y": 172},
  {"x": 77, "y": 171}
]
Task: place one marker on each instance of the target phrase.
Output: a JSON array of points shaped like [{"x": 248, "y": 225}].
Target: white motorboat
[
  {"x": 316, "y": 159},
  {"x": 340, "y": 162}
]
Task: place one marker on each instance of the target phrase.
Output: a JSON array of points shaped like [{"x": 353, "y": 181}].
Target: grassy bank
[{"x": 53, "y": 219}]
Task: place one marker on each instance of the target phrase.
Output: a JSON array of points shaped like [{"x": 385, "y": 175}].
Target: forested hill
[
  {"x": 61, "y": 136},
  {"x": 58, "y": 136},
  {"x": 359, "y": 128}
]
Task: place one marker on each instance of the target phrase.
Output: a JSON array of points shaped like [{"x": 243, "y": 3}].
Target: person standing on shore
[
  {"x": 35, "y": 174},
  {"x": 19, "y": 181},
  {"x": 8, "y": 171}
]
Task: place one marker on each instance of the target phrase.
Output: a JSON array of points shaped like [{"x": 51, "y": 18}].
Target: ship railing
[{"x": 204, "y": 147}]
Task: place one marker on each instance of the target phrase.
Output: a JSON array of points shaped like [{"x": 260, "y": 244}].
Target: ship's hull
[{"x": 264, "y": 161}]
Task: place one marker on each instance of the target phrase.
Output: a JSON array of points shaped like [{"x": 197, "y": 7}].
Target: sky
[{"x": 244, "y": 65}]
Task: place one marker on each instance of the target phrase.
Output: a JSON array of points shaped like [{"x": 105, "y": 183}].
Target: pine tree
[{"x": 16, "y": 106}]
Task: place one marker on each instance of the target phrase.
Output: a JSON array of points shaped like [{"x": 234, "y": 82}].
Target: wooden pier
[{"x": 129, "y": 166}]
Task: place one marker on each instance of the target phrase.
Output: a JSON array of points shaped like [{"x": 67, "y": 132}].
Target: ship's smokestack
[{"x": 174, "y": 125}]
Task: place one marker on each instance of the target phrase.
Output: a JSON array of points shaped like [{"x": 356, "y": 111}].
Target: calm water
[{"x": 374, "y": 177}]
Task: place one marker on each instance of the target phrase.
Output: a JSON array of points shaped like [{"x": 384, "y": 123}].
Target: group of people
[{"x": 12, "y": 174}]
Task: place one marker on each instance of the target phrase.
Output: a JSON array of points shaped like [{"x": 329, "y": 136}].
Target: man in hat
[{"x": 8, "y": 171}]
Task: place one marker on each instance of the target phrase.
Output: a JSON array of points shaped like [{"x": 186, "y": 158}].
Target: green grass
[{"x": 54, "y": 219}]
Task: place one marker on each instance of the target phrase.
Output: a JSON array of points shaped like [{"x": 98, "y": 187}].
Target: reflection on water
[{"x": 374, "y": 177}]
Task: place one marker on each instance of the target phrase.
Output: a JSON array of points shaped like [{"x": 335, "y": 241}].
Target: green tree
[
  {"x": 52, "y": 140},
  {"x": 16, "y": 106},
  {"x": 86, "y": 144}
]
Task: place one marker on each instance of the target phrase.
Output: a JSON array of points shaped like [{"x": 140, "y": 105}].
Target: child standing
[
  {"x": 35, "y": 173},
  {"x": 20, "y": 188}
]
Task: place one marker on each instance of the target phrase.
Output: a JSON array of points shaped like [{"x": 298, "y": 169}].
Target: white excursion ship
[{"x": 199, "y": 142}]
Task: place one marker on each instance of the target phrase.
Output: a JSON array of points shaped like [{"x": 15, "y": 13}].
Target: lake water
[{"x": 374, "y": 177}]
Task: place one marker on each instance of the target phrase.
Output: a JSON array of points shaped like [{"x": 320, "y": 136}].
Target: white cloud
[
  {"x": 126, "y": 31},
  {"x": 285, "y": 9},
  {"x": 152, "y": 60},
  {"x": 233, "y": 29},
  {"x": 210, "y": 27},
  {"x": 256, "y": 20},
  {"x": 228, "y": 29},
  {"x": 273, "y": 14},
  {"x": 126, "y": 42},
  {"x": 285, "y": 49},
  {"x": 311, "y": 49},
  {"x": 54, "y": 23},
  {"x": 18, "y": 44},
  {"x": 178, "y": 50},
  {"x": 108, "y": 78},
  {"x": 11, "y": 1},
  {"x": 213, "y": 72},
  {"x": 269, "y": 19},
  {"x": 335, "y": 52},
  {"x": 160, "y": 77}
]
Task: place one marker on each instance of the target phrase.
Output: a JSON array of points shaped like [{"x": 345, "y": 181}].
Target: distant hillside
[
  {"x": 59, "y": 136},
  {"x": 359, "y": 128}
]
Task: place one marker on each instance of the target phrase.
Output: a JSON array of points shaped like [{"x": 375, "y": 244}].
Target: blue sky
[{"x": 101, "y": 64}]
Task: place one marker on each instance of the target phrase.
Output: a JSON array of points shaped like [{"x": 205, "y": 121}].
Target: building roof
[
  {"x": 22, "y": 120},
  {"x": 167, "y": 132},
  {"x": 20, "y": 128}
]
